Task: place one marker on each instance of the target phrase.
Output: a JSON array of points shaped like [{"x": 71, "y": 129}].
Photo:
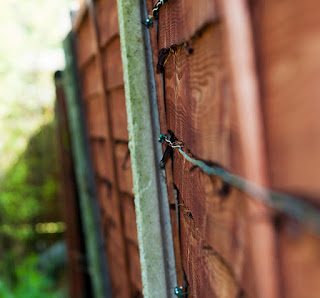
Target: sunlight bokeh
[{"x": 31, "y": 33}]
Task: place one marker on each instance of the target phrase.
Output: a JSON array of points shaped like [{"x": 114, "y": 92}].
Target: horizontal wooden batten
[{"x": 88, "y": 75}]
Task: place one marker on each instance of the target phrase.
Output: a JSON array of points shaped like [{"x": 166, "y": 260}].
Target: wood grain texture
[
  {"x": 198, "y": 98},
  {"x": 207, "y": 273},
  {"x": 117, "y": 100},
  {"x": 107, "y": 18},
  {"x": 220, "y": 216},
  {"x": 112, "y": 64},
  {"x": 180, "y": 20},
  {"x": 288, "y": 46},
  {"x": 168, "y": 166}
]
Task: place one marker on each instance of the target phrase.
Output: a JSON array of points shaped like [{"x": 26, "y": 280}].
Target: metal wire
[{"x": 295, "y": 207}]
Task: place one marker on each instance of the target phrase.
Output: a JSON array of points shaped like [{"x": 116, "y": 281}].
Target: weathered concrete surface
[{"x": 157, "y": 264}]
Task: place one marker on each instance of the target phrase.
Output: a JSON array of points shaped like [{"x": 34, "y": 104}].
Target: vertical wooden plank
[
  {"x": 121, "y": 251},
  {"x": 287, "y": 46},
  {"x": 245, "y": 88}
]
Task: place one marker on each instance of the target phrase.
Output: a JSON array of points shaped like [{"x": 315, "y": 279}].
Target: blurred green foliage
[
  {"x": 29, "y": 196},
  {"x": 31, "y": 283},
  {"x": 30, "y": 33},
  {"x": 29, "y": 190}
]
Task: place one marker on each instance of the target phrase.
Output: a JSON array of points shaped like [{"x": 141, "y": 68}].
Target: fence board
[
  {"x": 96, "y": 117},
  {"x": 180, "y": 20},
  {"x": 220, "y": 216},
  {"x": 197, "y": 98},
  {"x": 117, "y": 264},
  {"x": 90, "y": 85},
  {"x": 85, "y": 42},
  {"x": 299, "y": 260},
  {"x": 135, "y": 270},
  {"x": 207, "y": 273},
  {"x": 123, "y": 165},
  {"x": 117, "y": 101},
  {"x": 288, "y": 47},
  {"x": 130, "y": 227},
  {"x": 107, "y": 18},
  {"x": 112, "y": 64}
]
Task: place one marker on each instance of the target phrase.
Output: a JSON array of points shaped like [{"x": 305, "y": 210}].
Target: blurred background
[{"x": 32, "y": 248}]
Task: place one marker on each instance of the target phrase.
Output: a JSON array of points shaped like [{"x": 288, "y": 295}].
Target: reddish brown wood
[
  {"x": 288, "y": 46},
  {"x": 85, "y": 42},
  {"x": 117, "y": 101},
  {"x": 100, "y": 130},
  {"x": 101, "y": 159},
  {"x": 220, "y": 217},
  {"x": 130, "y": 227},
  {"x": 300, "y": 255},
  {"x": 90, "y": 85},
  {"x": 69, "y": 199},
  {"x": 107, "y": 18},
  {"x": 135, "y": 269},
  {"x": 207, "y": 273},
  {"x": 164, "y": 129},
  {"x": 118, "y": 266},
  {"x": 123, "y": 166},
  {"x": 198, "y": 99},
  {"x": 245, "y": 89},
  {"x": 110, "y": 70},
  {"x": 112, "y": 64},
  {"x": 96, "y": 117},
  {"x": 180, "y": 20}
]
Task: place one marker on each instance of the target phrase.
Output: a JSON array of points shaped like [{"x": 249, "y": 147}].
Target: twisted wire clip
[
  {"x": 178, "y": 292},
  {"x": 155, "y": 13}
]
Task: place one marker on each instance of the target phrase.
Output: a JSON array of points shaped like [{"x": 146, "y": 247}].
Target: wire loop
[{"x": 297, "y": 208}]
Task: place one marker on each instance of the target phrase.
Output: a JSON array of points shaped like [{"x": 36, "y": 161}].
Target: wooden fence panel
[
  {"x": 202, "y": 102},
  {"x": 200, "y": 111},
  {"x": 100, "y": 67},
  {"x": 287, "y": 44},
  {"x": 107, "y": 19},
  {"x": 78, "y": 278},
  {"x": 181, "y": 20}
]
